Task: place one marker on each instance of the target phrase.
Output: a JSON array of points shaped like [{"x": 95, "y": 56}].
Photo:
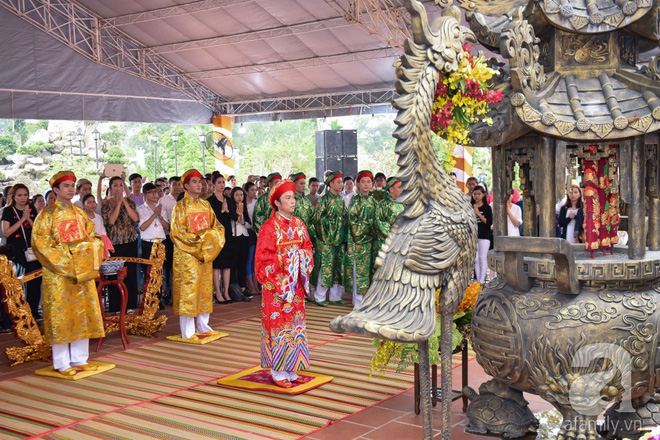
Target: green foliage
[
  {"x": 114, "y": 136},
  {"x": 116, "y": 155},
  {"x": 7, "y": 146},
  {"x": 335, "y": 125},
  {"x": 35, "y": 148},
  {"x": 20, "y": 129},
  {"x": 32, "y": 127},
  {"x": 286, "y": 147}
]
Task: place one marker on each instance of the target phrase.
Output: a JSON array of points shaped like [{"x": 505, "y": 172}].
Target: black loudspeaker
[{"x": 336, "y": 150}]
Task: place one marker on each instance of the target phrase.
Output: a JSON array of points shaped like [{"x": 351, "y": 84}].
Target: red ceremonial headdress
[
  {"x": 364, "y": 173},
  {"x": 189, "y": 175},
  {"x": 61, "y": 177},
  {"x": 279, "y": 189},
  {"x": 296, "y": 177}
]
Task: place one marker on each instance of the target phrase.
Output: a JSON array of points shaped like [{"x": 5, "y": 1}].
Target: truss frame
[
  {"x": 78, "y": 28},
  {"x": 323, "y": 102},
  {"x": 298, "y": 64}
]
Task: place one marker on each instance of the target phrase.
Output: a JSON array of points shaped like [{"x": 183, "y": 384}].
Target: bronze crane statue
[{"x": 432, "y": 244}]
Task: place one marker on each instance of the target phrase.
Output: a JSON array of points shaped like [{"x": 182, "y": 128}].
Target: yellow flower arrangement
[
  {"x": 406, "y": 353},
  {"x": 462, "y": 98}
]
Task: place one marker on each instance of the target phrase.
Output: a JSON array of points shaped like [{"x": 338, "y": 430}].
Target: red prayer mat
[{"x": 258, "y": 378}]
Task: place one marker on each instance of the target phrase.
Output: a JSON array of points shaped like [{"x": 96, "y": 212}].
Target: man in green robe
[
  {"x": 386, "y": 212},
  {"x": 305, "y": 211},
  {"x": 360, "y": 239},
  {"x": 330, "y": 222},
  {"x": 263, "y": 210}
]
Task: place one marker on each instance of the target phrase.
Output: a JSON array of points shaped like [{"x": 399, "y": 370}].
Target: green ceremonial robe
[
  {"x": 359, "y": 243},
  {"x": 330, "y": 222},
  {"x": 386, "y": 212},
  {"x": 378, "y": 195},
  {"x": 262, "y": 212},
  {"x": 305, "y": 211}
]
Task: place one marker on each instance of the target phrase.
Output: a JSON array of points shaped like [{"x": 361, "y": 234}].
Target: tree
[
  {"x": 116, "y": 155},
  {"x": 8, "y": 146},
  {"x": 286, "y": 147}
]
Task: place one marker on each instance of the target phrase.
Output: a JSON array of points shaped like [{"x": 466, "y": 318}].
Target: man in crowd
[
  {"x": 168, "y": 202},
  {"x": 262, "y": 209},
  {"x": 153, "y": 221},
  {"x": 84, "y": 187},
  {"x": 380, "y": 182},
  {"x": 198, "y": 238},
  {"x": 349, "y": 190},
  {"x": 331, "y": 224},
  {"x": 313, "y": 195},
  {"x": 359, "y": 243},
  {"x": 71, "y": 253},
  {"x": 232, "y": 182},
  {"x": 136, "y": 188},
  {"x": 386, "y": 212}
]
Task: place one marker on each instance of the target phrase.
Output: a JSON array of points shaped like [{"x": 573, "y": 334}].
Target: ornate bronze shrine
[{"x": 576, "y": 328}]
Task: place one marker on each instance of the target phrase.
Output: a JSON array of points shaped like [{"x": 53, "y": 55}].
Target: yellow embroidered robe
[
  {"x": 70, "y": 259},
  {"x": 198, "y": 238}
]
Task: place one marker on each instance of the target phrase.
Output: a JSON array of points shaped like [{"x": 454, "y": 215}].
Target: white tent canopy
[{"x": 187, "y": 59}]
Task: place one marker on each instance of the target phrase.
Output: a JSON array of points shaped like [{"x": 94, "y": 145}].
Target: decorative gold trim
[
  {"x": 27, "y": 330},
  {"x": 144, "y": 324},
  {"x": 24, "y": 325}
]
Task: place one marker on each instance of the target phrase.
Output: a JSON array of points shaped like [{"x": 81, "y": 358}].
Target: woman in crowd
[
  {"x": 89, "y": 205},
  {"x": 250, "y": 202},
  {"x": 571, "y": 215},
  {"x": 120, "y": 217},
  {"x": 240, "y": 239},
  {"x": 50, "y": 197},
  {"x": 38, "y": 202},
  {"x": 17, "y": 221},
  {"x": 513, "y": 215},
  {"x": 224, "y": 213},
  {"x": 484, "y": 222}
]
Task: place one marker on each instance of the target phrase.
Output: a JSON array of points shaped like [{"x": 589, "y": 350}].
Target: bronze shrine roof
[
  {"x": 589, "y": 16},
  {"x": 605, "y": 107}
]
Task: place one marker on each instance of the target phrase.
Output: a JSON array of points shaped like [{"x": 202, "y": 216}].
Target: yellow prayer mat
[
  {"x": 260, "y": 379},
  {"x": 102, "y": 367},
  {"x": 200, "y": 338}
]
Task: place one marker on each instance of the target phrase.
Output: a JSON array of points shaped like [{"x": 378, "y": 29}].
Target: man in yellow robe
[
  {"x": 198, "y": 238},
  {"x": 71, "y": 253}
]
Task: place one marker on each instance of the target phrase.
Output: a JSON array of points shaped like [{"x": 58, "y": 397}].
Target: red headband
[
  {"x": 300, "y": 176},
  {"x": 189, "y": 175},
  {"x": 364, "y": 174},
  {"x": 280, "y": 188}
]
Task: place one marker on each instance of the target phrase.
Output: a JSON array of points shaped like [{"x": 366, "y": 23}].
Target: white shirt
[
  {"x": 155, "y": 229},
  {"x": 240, "y": 229},
  {"x": 348, "y": 197},
  {"x": 570, "y": 228},
  {"x": 167, "y": 202},
  {"x": 250, "y": 210},
  {"x": 99, "y": 227},
  {"x": 513, "y": 231},
  {"x": 97, "y": 211}
]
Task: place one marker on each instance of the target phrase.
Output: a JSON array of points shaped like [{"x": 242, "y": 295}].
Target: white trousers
[
  {"x": 357, "y": 299},
  {"x": 70, "y": 355},
  {"x": 321, "y": 292},
  {"x": 481, "y": 262},
  {"x": 189, "y": 325},
  {"x": 281, "y": 375}
]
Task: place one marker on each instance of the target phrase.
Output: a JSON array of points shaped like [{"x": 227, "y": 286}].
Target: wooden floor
[{"x": 388, "y": 420}]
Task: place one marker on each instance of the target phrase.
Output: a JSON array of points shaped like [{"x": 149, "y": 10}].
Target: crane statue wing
[{"x": 432, "y": 244}]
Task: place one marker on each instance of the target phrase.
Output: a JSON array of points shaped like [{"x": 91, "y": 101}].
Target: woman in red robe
[{"x": 283, "y": 264}]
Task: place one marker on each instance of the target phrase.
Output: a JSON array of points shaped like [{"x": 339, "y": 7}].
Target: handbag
[{"x": 29, "y": 253}]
